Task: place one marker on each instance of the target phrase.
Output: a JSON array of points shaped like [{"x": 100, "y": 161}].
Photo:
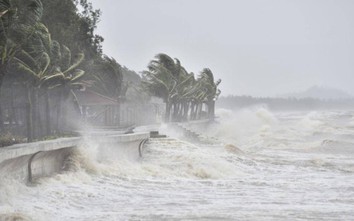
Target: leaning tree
[
  {"x": 18, "y": 19},
  {"x": 18, "y": 23},
  {"x": 161, "y": 80},
  {"x": 211, "y": 90}
]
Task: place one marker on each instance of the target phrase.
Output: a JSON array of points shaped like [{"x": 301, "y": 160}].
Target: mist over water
[{"x": 263, "y": 166}]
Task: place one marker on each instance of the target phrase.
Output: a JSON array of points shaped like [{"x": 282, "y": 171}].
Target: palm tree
[
  {"x": 211, "y": 90},
  {"x": 160, "y": 80},
  {"x": 17, "y": 21},
  {"x": 4, "y": 52},
  {"x": 108, "y": 77},
  {"x": 167, "y": 78},
  {"x": 65, "y": 79},
  {"x": 43, "y": 65},
  {"x": 184, "y": 90},
  {"x": 198, "y": 94},
  {"x": 30, "y": 65},
  {"x": 187, "y": 92}
]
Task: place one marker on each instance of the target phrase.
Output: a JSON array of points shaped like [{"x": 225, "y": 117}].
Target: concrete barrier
[
  {"x": 33, "y": 160},
  {"x": 23, "y": 149},
  {"x": 194, "y": 131}
]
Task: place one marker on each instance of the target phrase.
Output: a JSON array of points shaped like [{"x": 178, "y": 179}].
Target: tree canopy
[
  {"x": 168, "y": 79},
  {"x": 50, "y": 49}
]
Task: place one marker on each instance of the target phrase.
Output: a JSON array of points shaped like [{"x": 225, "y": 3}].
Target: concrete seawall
[
  {"x": 32, "y": 160},
  {"x": 192, "y": 131}
]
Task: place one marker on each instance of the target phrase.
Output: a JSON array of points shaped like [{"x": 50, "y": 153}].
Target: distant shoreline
[{"x": 285, "y": 104}]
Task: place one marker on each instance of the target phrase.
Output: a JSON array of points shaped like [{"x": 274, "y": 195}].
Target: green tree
[
  {"x": 42, "y": 65},
  {"x": 30, "y": 66},
  {"x": 168, "y": 79},
  {"x": 66, "y": 77},
  {"x": 79, "y": 32},
  {"x": 107, "y": 76},
  {"x": 160, "y": 80},
  {"x": 211, "y": 90},
  {"x": 17, "y": 23}
]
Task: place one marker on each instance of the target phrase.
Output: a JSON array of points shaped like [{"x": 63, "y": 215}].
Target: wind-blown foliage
[
  {"x": 18, "y": 23},
  {"x": 168, "y": 79},
  {"x": 211, "y": 90},
  {"x": 107, "y": 76},
  {"x": 30, "y": 57},
  {"x": 73, "y": 27},
  {"x": 50, "y": 49}
]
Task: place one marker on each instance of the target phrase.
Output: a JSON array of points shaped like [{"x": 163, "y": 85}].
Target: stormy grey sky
[{"x": 257, "y": 47}]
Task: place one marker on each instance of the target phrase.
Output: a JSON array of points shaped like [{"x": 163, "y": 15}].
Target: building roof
[{"x": 91, "y": 98}]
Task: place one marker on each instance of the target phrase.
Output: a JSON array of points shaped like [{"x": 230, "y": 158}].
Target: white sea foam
[{"x": 267, "y": 166}]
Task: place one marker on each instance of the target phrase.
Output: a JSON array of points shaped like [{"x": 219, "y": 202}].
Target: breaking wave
[{"x": 264, "y": 165}]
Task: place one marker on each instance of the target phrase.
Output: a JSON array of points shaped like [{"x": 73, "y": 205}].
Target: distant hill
[
  {"x": 317, "y": 92},
  {"x": 285, "y": 104}
]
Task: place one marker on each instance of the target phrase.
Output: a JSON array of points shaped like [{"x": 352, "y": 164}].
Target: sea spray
[
  {"x": 10, "y": 209},
  {"x": 174, "y": 159},
  {"x": 15, "y": 217},
  {"x": 243, "y": 126},
  {"x": 293, "y": 172}
]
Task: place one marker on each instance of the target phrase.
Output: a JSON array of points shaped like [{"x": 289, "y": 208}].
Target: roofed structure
[{"x": 91, "y": 98}]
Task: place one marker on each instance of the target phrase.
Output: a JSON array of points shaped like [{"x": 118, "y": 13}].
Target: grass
[{"x": 8, "y": 139}]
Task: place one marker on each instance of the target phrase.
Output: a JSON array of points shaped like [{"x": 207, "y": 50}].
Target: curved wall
[{"x": 29, "y": 161}]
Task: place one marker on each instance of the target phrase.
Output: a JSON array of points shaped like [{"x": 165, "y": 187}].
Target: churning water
[{"x": 264, "y": 166}]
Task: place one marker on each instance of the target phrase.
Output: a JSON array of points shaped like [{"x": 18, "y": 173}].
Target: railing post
[
  {"x": 29, "y": 167},
  {"x": 141, "y": 145}
]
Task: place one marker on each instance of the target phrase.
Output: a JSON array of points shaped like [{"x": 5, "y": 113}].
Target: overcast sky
[{"x": 257, "y": 47}]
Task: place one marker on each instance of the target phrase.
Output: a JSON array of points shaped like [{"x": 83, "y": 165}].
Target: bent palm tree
[
  {"x": 17, "y": 21},
  {"x": 166, "y": 78},
  {"x": 30, "y": 64},
  {"x": 108, "y": 77},
  {"x": 160, "y": 80},
  {"x": 66, "y": 81},
  {"x": 211, "y": 90}
]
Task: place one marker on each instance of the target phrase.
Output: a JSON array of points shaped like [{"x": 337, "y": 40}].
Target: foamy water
[{"x": 285, "y": 166}]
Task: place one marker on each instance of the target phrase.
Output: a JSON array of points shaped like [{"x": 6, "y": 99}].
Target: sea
[{"x": 252, "y": 164}]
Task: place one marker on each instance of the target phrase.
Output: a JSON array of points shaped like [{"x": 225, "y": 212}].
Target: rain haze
[
  {"x": 188, "y": 110},
  {"x": 259, "y": 48}
]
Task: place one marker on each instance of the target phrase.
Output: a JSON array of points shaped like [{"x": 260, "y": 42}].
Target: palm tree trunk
[
  {"x": 211, "y": 109},
  {"x": 35, "y": 114},
  {"x": 180, "y": 111},
  {"x": 2, "y": 74},
  {"x": 1, "y": 120},
  {"x": 106, "y": 115},
  {"x": 64, "y": 112},
  {"x": 29, "y": 115},
  {"x": 59, "y": 102},
  {"x": 12, "y": 107},
  {"x": 47, "y": 112},
  {"x": 199, "y": 110},
  {"x": 117, "y": 113},
  {"x": 192, "y": 111},
  {"x": 185, "y": 113},
  {"x": 175, "y": 111},
  {"x": 196, "y": 111},
  {"x": 168, "y": 111}
]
